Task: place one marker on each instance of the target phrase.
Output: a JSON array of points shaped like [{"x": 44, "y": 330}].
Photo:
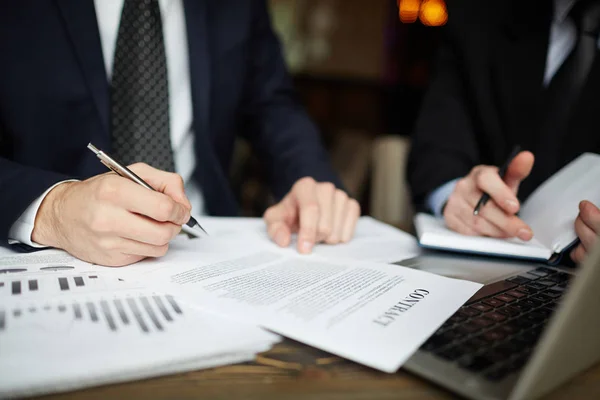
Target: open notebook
[{"x": 550, "y": 211}]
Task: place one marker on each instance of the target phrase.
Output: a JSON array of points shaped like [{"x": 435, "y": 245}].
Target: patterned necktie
[{"x": 139, "y": 88}]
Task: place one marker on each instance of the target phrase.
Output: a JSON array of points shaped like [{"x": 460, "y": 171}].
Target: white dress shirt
[
  {"x": 108, "y": 14},
  {"x": 563, "y": 37}
]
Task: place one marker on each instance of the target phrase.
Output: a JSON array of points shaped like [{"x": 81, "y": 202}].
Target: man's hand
[
  {"x": 497, "y": 218},
  {"x": 317, "y": 211},
  {"x": 112, "y": 221},
  {"x": 587, "y": 228}
]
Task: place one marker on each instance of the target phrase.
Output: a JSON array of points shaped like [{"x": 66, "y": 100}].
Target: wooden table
[{"x": 295, "y": 371}]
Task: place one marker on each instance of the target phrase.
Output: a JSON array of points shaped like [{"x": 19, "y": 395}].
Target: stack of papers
[
  {"x": 66, "y": 324},
  {"x": 372, "y": 313},
  {"x": 64, "y": 327}
]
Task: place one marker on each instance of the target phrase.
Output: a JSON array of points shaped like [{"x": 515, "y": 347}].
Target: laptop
[{"x": 526, "y": 332}]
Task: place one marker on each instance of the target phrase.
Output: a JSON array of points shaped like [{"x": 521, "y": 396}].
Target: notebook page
[
  {"x": 432, "y": 232},
  {"x": 552, "y": 209}
]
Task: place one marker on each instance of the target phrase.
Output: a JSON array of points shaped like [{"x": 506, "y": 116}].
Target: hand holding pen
[
  {"x": 485, "y": 203},
  {"x": 112, "y": 221},
  {"x": 125, "y": 172},
  {"x": 502, "y": 174}
]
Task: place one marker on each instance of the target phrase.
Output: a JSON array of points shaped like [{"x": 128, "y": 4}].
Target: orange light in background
[
  {"x": 409, "y": 10},
  {"x": 433, "y": 13}
]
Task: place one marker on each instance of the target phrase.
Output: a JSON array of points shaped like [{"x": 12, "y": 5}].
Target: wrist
[{"x": 46, "y": 229}]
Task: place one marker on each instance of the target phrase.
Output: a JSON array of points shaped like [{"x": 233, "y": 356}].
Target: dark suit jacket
[
  {"x": 54, "y": 99},
  {"x": 487, "y": 95}
]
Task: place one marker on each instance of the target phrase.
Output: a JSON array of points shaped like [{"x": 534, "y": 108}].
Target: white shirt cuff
[
  {"x": 436, "y": 199},
  {"x": 21, "y": 230}
]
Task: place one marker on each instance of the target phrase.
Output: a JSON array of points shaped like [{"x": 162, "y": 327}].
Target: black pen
[
  {"x": 502, "y": 171},
  {"x": 129, "y": 174}
]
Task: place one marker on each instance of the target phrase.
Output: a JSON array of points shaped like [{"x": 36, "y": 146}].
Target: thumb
[
  {"x": 519, "y": 169},
  {"x": 165, "y": 182}
]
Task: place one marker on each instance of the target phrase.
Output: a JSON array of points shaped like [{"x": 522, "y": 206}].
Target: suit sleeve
[
  {"x": 20, "y": 186},
  {"x": 285, "y": 138},
  {"x": 443, "y": 143}
]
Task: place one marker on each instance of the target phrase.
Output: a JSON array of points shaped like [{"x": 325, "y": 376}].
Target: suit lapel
[
  {"x": 217, "y": 193},
  {"x": 81, "y": 23},
  {"x": 519, "y": 69}
]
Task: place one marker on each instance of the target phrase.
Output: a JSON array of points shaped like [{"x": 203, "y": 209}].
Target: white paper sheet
[
  {"x": 552, "y": 209},
  {"x": 374, "y": 314},
  {"x": 5, "y": 251},
  {"x": 373, "y": 240},
  {"x": 61, "y": 331},
  {"x": 433, "y": 233},
  {"x": 39, "y": 259},
  {"x": 219, "y": 226}
]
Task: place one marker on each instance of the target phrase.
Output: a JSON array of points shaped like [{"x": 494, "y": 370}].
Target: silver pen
[{"x": 129, "y": 174}]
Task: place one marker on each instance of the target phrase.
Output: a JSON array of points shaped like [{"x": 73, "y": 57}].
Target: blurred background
[{"x": 360, "y": 69}]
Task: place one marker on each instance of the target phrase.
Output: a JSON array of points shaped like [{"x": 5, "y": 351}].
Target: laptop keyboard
[{"x": 495, "y": 332}]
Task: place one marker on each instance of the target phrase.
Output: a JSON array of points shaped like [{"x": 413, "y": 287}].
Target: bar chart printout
[
  {"x": 70, "y": 340},
  {"x": 147, "y": 314}
]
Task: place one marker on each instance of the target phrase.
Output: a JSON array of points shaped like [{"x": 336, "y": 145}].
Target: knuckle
[
  {"x": 100, "y": 223},
  {"x": 480, "y": 178},
  {"x": 506, "y": 226},
  {"x": 479, "y": 225},
  {"x": 108, "y": 189},
  {"x": 139, "y": 167},
  {"x": 175, "y": 229},
  {"x": 475, "y": 170},
  {"x": 308, "y": 230},
  {"x": 163, "y": 236},
  {"x": 177, "y": 179},
  {"x": 354, "y": 206},
  {"x": 327, "y": 187},
  {"x": 333, "y": 239},
  {"x": 311, "y": 207},
  {"x": 108, "y": 244},
  {"x": 451, "y": 205},
  {"x": 161, "y": 251},
  {"x": 272, "y": 230},
  {"x": 451, "y": 224},
  {"x": 466, "y": 231},
  {"x": 587, "y": 214},
  {"x": 307, "y": 180},
  {"x": 462, "y": 185},
  {"x": 165, "y": 209},
  {"x": 325, "y": 231},
  {"x": 269, "y": 214},
  {"x": 340, "y": 195}
]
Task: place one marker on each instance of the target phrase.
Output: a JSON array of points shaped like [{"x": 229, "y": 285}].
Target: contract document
[
  {"x": 374, "y": 314},
  {"x": 63, "y": 329}
]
